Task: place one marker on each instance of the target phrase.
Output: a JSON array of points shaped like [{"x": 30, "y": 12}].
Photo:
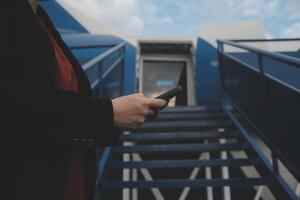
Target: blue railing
[
  {"x": 265, "y": 90},
  {"x": 106, "y": 75},
  {"x": 106, "y": 72}
]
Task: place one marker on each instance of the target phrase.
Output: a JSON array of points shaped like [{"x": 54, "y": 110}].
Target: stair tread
[
  {"x": 203, "y": 108},
  {"x": 167, "y": 136},
  {"x": 186, "y": 123},
  {"x": 158, "y": 164},
  {"x": 183, "y": 125},
  {"x": 180, "y": 183},
  {"x": 186, "y": 116},
  {"x": 177, "y": 148}
]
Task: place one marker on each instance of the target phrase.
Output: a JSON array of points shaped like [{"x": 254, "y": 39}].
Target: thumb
[{"x": 157, "y": 103}]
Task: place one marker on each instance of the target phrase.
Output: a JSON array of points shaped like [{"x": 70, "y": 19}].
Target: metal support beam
[
  {"x": 162, "y": 164},
  {"x": 179, "y": 183}
]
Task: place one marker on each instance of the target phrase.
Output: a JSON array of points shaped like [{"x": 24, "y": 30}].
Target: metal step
[
  {"x": 184, "y": 125},
  {"x": 160, "y": 164},
  {"x": 191, "y": 109},
  {"x": 177, "y": 136},
  {"x": 175, "y": 183},
  {"x": 179, "y": 148},
  {"x": 190, "y": 116}
]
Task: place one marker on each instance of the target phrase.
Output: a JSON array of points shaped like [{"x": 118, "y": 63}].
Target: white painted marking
[
  {"x": 298, "y": 190},
  {"x": 147, "y": 176},
  {"x": 259, "y": 192},
  {"x": 225, "y": 173},
  {"x": 193, "y": 176},
  {"x": 134, "y": 190},
  {"x": 126, "y": 177},
  {"x": 208, "y": 174},
  {"x": 126, "y": 172}
]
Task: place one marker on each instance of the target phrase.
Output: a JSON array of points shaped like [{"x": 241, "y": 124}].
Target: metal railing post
[
  {"x": 221, "y": 75},
  {"x": 97, "y": 64},
  {"x": 123, "y": 50},
  {"x": 100, "y": 85}
]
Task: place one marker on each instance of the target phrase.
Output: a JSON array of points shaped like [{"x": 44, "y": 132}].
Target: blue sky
[{"x": 281, "y": 18}]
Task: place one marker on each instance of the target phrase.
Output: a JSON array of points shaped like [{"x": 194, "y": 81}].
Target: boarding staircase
[
  {"x": 187, "y": 153},
  {"x": 234, "y": 150}
]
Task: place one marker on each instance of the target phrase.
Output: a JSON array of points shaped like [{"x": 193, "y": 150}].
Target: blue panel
[
  {"x": 88, "y": 40},
  {"x": 121, "y": 80},
  {"x": 207, "y": 75},
  {"x": 275, "y": 68},
  {"x": 112, "y": 85},
  {"x": 86, "y": 54},
  {"x": 247, "y": 57},
  {"x": 282, "y": 71},
  {"x": 92, "y": 74},
  {"x": 285, "y": 116},
  {"x": 295, "y": 54},
  {"x": 62, "y": 20},
  {"x": 246, "y": 89},
  {"x": 243, "y": 85},
  {"x": 130, "y": 68}
]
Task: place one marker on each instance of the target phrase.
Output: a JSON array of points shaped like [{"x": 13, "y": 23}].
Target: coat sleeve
[
  {"x": 32, "y": 114},
  {"x": 55, "y": 115}
]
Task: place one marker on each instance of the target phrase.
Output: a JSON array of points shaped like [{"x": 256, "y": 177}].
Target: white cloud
[
  {"x": 126, "y": 15},
  {"x": 144, "y": 16},
  {"x": 291, "y": 9},
  {"x": 269, "y": 35},
  {"x": 167, "y": 20},
  {"x": 294, "y": 16},
  {"x": 292, "y": 31},
  {"x": 251, "y": 12},
  {"x": 259, "y": 8},
  {"x": 137, "y": 23}
]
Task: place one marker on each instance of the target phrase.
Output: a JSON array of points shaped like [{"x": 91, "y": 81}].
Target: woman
[{"x": 50, "y": 121}]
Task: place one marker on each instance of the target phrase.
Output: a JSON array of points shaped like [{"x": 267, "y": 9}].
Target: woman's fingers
[
  {"x": 157, "y": 103},
  {"x": 133, "y": 110},
  {"x": 148, "y": 112}
]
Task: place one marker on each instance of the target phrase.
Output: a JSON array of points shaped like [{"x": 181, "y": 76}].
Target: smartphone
[
  {"x": 166, "y": 96},
  {"x": 170, "y": 94}
]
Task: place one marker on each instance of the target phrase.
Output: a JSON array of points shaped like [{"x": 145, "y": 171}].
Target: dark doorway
[{"x": 161, "y": 76}]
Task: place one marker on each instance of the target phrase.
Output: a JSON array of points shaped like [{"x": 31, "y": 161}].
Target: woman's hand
[{"x": 131, "y": 111}]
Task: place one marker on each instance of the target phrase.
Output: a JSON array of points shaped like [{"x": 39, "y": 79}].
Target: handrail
[
  {"x": 266, "y": 97},
  {"x": 257, "y": 71},
  {"x": 267, "y": 40},
  {"x": 96, "y": 86},
  {"x": 276, "y": 56},
  {"x": 91, "y": 46},
  {"x": 101, "y": 57}
]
